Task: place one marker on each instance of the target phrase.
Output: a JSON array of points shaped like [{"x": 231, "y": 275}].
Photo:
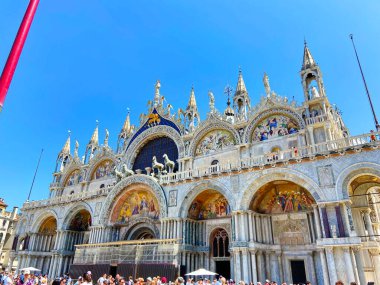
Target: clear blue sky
[{"x": 90, "y": 59}]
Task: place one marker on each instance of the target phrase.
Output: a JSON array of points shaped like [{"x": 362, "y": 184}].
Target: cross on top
[{"x": 228, "y": 90}]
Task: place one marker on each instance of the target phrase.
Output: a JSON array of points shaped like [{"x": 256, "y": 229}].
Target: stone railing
[
  {"x": 310, "y": 151},
  {"x": 317, "y": 119},
  {"x": 68, "y": 198}
]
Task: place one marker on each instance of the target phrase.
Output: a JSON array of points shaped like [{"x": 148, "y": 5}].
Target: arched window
[
  {"x": 215, "y": 162},
  {"x": 220, "y": 244}
]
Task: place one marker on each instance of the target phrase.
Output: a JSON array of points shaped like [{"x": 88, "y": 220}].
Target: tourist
[
  {"x": 373, "y": 137},
  {"x": 79, "y": 281},
  {"x": 117, "y": 279},
  {"x": 353, "y": 283},
  {"x": 101, "y": 279},
  {"x": 87, "y": 279},
  {"x": 130, "y": 280},
  {"x": 339, "y": 282},
  {"x": 308, "y": 283}
]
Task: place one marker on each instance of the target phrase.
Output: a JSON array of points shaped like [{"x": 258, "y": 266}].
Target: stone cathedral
[{"x": 278, "y": 191}]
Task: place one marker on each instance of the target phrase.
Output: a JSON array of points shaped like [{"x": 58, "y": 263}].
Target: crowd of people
[{"x": 27, "y": 278}]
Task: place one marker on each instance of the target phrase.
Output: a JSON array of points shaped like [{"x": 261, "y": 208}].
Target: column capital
[
  {"x": 329, "y": 249},
  {"x": 356, "y": 248},
  {"x": 346, "y": 249},
  {"x": 366, "y": 210}
]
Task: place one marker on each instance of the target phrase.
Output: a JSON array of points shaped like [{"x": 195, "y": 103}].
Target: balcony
[
  {"x": 317, "y": 119},
  {"x": 67, "y": 199},
  {"x": 310, "y": 151}
]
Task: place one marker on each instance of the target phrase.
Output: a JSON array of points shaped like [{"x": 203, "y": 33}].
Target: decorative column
[
  {"x": 368, "y": 223},
  {"x": 280, "y": 269},
  {"x": 359, "y": 265},
  {"x": 237, "y": 266},
  {"x": 317, "y": 222},
  {"x": 331, "y": 264},
  {"x": 245, "y": 275},
  {"x": 376, "y": 262},
  {"x": 348, "y": 224},
  {"x": 236, "y": 223},
  {"x": 348, "y": 262},
  {"x": 254, "y": 267}
]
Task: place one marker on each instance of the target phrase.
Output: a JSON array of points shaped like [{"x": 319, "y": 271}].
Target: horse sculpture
[
  {"x": 157, "y": 165},
  {"x": 125, "y": 172},
  {"x": 169, "y": 165}
]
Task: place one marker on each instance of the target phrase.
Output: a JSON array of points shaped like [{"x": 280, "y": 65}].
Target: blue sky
[{"x": 90, "y": 60}]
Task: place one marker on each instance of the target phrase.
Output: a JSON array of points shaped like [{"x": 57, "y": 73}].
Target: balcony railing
[
  {"x": 317, "y": 119},
  {"x": 68, "y": 198},
  {"x": 310, "y": 151}
]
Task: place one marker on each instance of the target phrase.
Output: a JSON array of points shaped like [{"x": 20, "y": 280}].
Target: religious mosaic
[
  {"x": 285, "y": 198},
  {"x": 273, "y": 127},
  {"x": 134, "y": 204},
  {"x": 209, "y": 205},
  {"x": 104, "y": 169},
  {"x": 81, "y": 221},
  {"x": 74, "y": 178},
  {"x": 215, "y": 141},
  {"x": 49, "y": 226}
]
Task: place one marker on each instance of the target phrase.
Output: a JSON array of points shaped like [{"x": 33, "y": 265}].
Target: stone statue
[
  {"x": 266, "y": 84},
  {"x": 333, "y": 231},
  {"x": 106, "y": 138},
  {"x": 211, "y": 102},
  {"x": 169, "y": 107},
  {"x": 314, "y": 92},
  {"x": 83, "y": 157},
  {"x": 76, "y": 148},
  {"x": 142, "y": 118}
]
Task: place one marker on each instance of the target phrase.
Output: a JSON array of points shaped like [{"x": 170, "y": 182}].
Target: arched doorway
[
  {"x": 141, "y": 231},
  {"x": 208, "y": 208},
  {"x": 219, "y": 252},
  {"x": 283, "y": 215},
  {"x": 364, "y": 218}
]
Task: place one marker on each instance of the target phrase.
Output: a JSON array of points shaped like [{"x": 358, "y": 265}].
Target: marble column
[
  {"x": 267, "y": 265},
  {"x": 331, "y": 264},
  {"x": 242, "y": 226},
  {"x": 376, "y": 262},
  {"x": 245, "y": 275},
  {"x": 254, "y": 267},
  {"x": 349, "y": 268},
  {"x": 236, "y": 228},
  {"x": 280, "y": 267},
  {"x": 359, "y": 265},
  {"x": 317, "y": 222},
  {"x": 238, "y": 268}
]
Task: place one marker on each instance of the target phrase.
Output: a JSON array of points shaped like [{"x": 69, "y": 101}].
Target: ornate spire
[
  {"x": 240, "y": 87},
  {"x": 95, "y": 136},
  {"x": 229, "y": 112},
  {"x": 127, "y": 124},
  {"x": 308, "y": 60},
  {"x": 76, "y": 148},
  {"x": 192, "y": 102},
  {"x": 66, "y": 147}
]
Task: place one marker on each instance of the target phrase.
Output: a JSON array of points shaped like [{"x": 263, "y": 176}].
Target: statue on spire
[
  {"x": 211, "y": 102},
  {"x": 106, "y": 138},
  {"x": 76, "y": 148},
  {"x": 157, "y": 94},
  {"x": 266, "y": 84}
]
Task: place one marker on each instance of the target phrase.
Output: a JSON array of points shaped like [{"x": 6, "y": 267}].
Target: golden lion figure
[{"x": 154, "y": 119}]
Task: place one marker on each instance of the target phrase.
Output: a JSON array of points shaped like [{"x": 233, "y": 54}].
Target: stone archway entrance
[
  {"x": 219, "y": 252},
  {"x": 141, "y": 231}
]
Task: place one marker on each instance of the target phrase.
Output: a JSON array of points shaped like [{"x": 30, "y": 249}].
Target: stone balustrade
[
  {"x": 68, "y": 198},
  {"x": 316, "y": 119},
  {"x": 309, "y": 151}
]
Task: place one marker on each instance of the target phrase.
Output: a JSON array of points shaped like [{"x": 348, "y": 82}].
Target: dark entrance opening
[
  {"x": 113, "y": 270},
  {"x": 223, "y": 268},
  {"x": 298, "y": 271}
]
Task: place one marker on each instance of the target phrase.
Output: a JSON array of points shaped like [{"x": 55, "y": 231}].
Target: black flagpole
[
  {"x": 365, "y": 85},
  {"x": 34, "y": 177}
]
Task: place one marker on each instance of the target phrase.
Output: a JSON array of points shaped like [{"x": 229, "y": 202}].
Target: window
[{"x": 220, "y": 244}]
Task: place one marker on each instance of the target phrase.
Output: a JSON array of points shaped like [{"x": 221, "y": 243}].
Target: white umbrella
[
  {"x": 30, "y": 269},
  {"x": 202, "y": 272}
]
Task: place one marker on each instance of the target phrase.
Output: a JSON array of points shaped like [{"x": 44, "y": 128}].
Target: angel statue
[
  {"x": 106, "y": 138},
  {"x": 266, "y": 84},
  {"x": 211, "y": 102},
  {"x": 76, "y": 148}
]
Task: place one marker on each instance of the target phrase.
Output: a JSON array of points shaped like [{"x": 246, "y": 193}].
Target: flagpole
[
  {"x": 34, "y": 177},
  {"x": 377, "y": 126},
  {"x": 14, "y": 55}
]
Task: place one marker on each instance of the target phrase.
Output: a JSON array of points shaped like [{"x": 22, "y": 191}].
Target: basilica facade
[{"x": 279, "y": 191}]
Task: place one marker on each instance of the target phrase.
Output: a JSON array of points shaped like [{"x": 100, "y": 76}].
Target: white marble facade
[{"x": 284, "y": 184}]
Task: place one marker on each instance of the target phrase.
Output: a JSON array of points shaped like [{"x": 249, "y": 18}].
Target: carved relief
[
  {"x": 325, "y": 175},
  {"x": 215, "y": 141},
  {"x": 274, "y": 126}
]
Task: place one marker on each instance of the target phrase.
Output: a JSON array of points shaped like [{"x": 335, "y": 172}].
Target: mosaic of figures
[
  {"x": 104, "y": 169},
  {"x": 284, "y": 199},
  {"x": 49, "y": 226},
  {"x": 74, "y": 178},
  {"x": 209, "y": 205},
  {"x": 81, "y": 221},
  {"x": 273, "y": 127},
  {"x": 214, "y": 141},
  {"x": 135, "y": 203}
]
